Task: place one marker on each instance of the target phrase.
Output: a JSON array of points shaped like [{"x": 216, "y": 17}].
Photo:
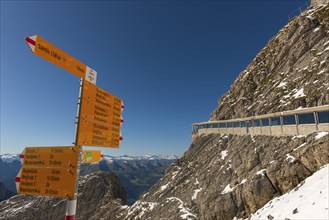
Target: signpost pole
[
  {"x": 105, "y": 132},
  {"x": 71, "y": 204}
]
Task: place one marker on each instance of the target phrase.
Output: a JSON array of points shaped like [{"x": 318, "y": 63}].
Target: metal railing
[{"x": 294, "y": 122}]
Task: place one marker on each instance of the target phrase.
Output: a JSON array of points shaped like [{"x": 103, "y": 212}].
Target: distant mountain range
[
  {"x": 9, "y": 167},
  {"x": 145, "y": 157},
  {"x": 137, "y": 173}
]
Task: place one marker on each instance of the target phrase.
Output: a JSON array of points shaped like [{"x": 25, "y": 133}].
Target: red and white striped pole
[
  {"x": 71, "y": 208},
  {"x": 71, "y": 205}
]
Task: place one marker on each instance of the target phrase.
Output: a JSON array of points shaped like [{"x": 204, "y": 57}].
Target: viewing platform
[{"x": 294, "y": 122}]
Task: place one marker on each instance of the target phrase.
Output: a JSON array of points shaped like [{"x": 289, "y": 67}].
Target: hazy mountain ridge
[
  {"x": 145, "y": 157},
  {"x": 9, "y": 158},
  {"x": 9, "y": 167},
  {"x": 136, "y": 173}
]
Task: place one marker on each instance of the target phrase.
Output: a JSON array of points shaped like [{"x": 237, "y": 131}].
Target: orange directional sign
[
  {"x": 100, "y": 103},
  {"x": 91, "y": 156},
  {"x": 46, "y": 50},
  {"x": 92, "y": 133},
  {"x": 51, "y": 156},
  {"x": 48, "y": 171},
  {"x": 100, "y": 117},
  {"x": 46, "y": 181}
]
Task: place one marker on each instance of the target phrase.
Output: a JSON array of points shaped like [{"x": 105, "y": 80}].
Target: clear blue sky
[{"x": 169, "y": 61}]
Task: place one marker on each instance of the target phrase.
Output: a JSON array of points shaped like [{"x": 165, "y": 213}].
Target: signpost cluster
[
  {"x": 48, "y": 171},
  {"x": 54, "y": 171},
  {"x": 100, "y": 118}
]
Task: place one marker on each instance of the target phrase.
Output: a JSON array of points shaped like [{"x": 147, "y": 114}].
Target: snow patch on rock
[{"x": 310, "y": 199}]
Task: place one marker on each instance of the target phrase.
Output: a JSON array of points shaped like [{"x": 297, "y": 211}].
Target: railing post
[
  {"x": 316, "y": 119},
  {"x": 297, "y": 123},
  {"x": 281, "y": 122}
]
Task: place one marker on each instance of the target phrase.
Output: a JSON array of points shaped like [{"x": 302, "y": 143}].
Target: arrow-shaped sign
[{"x": 46, "y": 50}]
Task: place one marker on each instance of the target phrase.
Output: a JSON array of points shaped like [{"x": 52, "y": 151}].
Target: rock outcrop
[
  {"x": 227, "y": 176},
  {"x": 318, "y": 2},
  {"x": 97, "y": 193},
  {"x": 291, "y": 71}
]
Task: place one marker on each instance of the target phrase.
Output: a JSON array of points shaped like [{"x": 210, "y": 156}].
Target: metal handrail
[{"x": 289, "y": 112}]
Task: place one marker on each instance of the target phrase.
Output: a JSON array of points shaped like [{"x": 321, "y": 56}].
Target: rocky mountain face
[
  {"x": 291, "y": 71},
  {"x": 97, "y": 193},
  {"x": 231, "y": 177},
  {"x": 227, "y": 176}
]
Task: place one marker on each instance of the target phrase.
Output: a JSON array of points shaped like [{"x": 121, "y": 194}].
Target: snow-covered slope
[{"x": 309, "y": 200}]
